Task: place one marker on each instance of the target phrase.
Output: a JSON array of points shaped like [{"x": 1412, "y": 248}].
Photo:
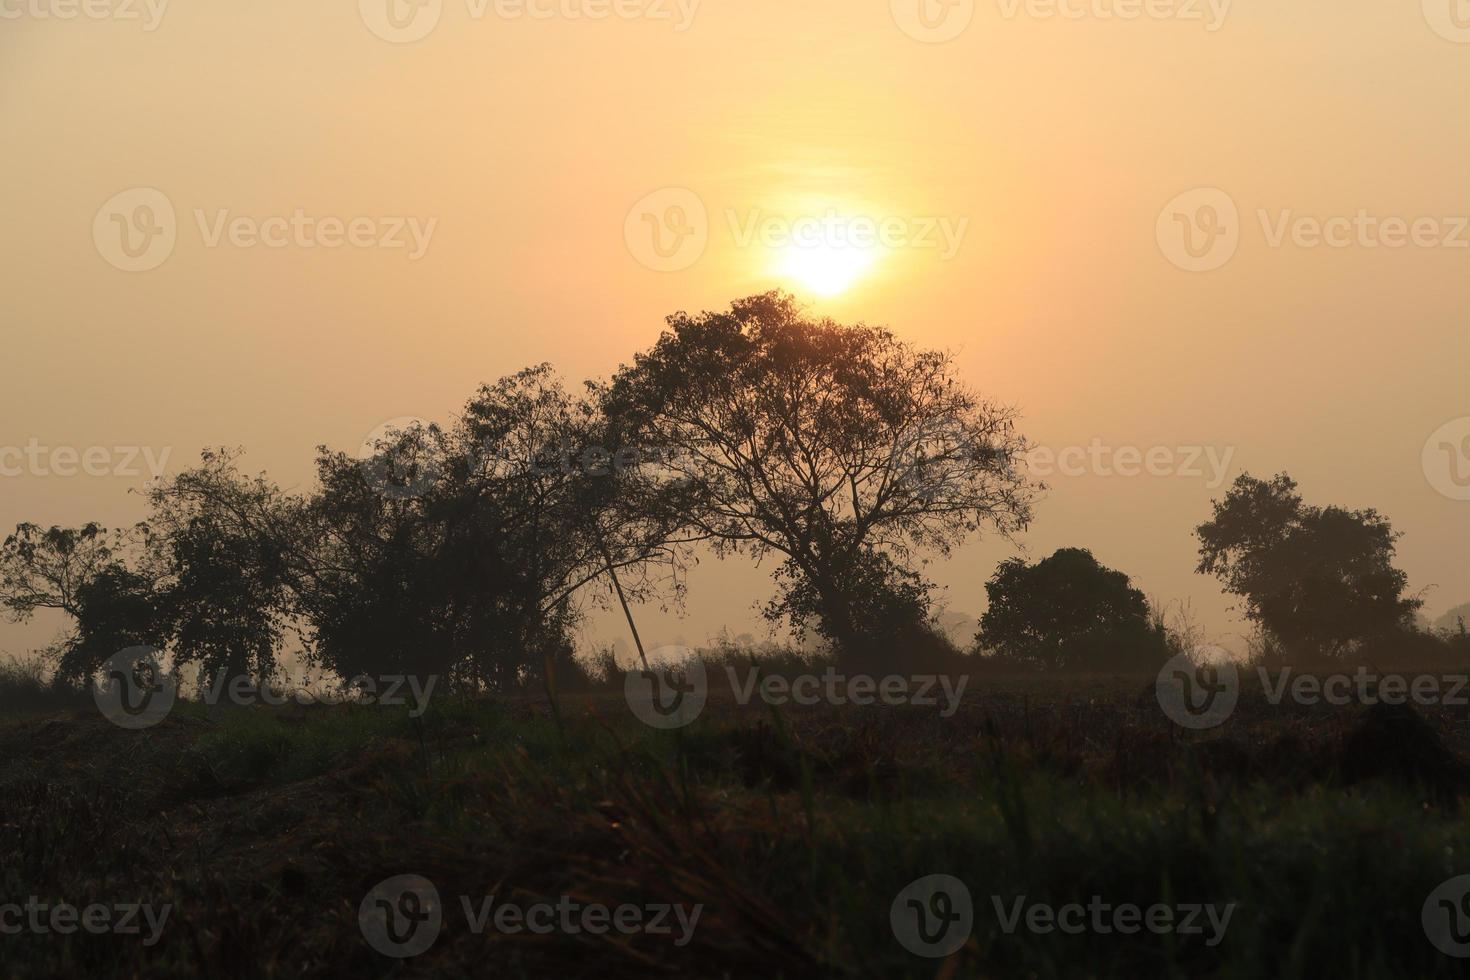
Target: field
[{"x": 264, "y": 828}]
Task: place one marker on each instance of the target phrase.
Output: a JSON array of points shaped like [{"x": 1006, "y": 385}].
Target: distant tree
[
  {"x": 1318, "y": 580},
  {"x": 1070, "y": 612},
  {"x": 840, "y": 449},
  {"x": 465, "y": 552},
  {"x": 97, "y": 577},
  {"x": 1456, "y": 621}
]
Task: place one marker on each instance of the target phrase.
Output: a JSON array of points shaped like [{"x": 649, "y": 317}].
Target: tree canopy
[{"x": 840, "y": 449}]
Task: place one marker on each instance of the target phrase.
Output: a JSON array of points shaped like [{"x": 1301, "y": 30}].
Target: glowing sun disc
[{"x": 826, "y": 269}]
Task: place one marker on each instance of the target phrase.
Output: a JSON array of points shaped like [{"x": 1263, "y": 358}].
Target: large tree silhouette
[{"x": 840, "y": 449}]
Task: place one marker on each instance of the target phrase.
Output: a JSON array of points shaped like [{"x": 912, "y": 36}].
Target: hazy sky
[{"x": 1033, "y": 177}]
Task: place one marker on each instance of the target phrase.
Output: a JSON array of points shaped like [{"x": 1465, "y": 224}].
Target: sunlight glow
[{"x": 826, "y": 268}]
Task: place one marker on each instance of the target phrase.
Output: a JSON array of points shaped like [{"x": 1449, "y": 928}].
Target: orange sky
[{"x": 1022, "y": 169}]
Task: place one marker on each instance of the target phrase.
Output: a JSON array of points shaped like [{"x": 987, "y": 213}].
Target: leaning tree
[{"x": 840, "y": 449}]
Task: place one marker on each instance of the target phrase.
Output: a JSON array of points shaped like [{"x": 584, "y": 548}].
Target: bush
[{"x": 1070, "y": 612}]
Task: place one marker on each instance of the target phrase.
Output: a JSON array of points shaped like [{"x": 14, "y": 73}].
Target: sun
[{"x": 826, "y": 268}]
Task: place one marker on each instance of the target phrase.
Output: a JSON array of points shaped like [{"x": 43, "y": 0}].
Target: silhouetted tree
[
  {"x": 1316, "y": 579},
  {"x": 97, "y": 577},
  {"x": 1070, "y": 612},
  {"x": 839, "y": 448},
  {"x": 464, "y": 551},
  {"x": 231, "y": 552},
  {"x": 1455, "y": 621}
]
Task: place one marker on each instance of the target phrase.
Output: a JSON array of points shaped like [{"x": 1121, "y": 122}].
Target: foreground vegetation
[{"x": 794, "y": 828}]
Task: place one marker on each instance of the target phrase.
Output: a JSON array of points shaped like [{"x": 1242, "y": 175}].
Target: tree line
[{"x": 838, "y": 452}]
